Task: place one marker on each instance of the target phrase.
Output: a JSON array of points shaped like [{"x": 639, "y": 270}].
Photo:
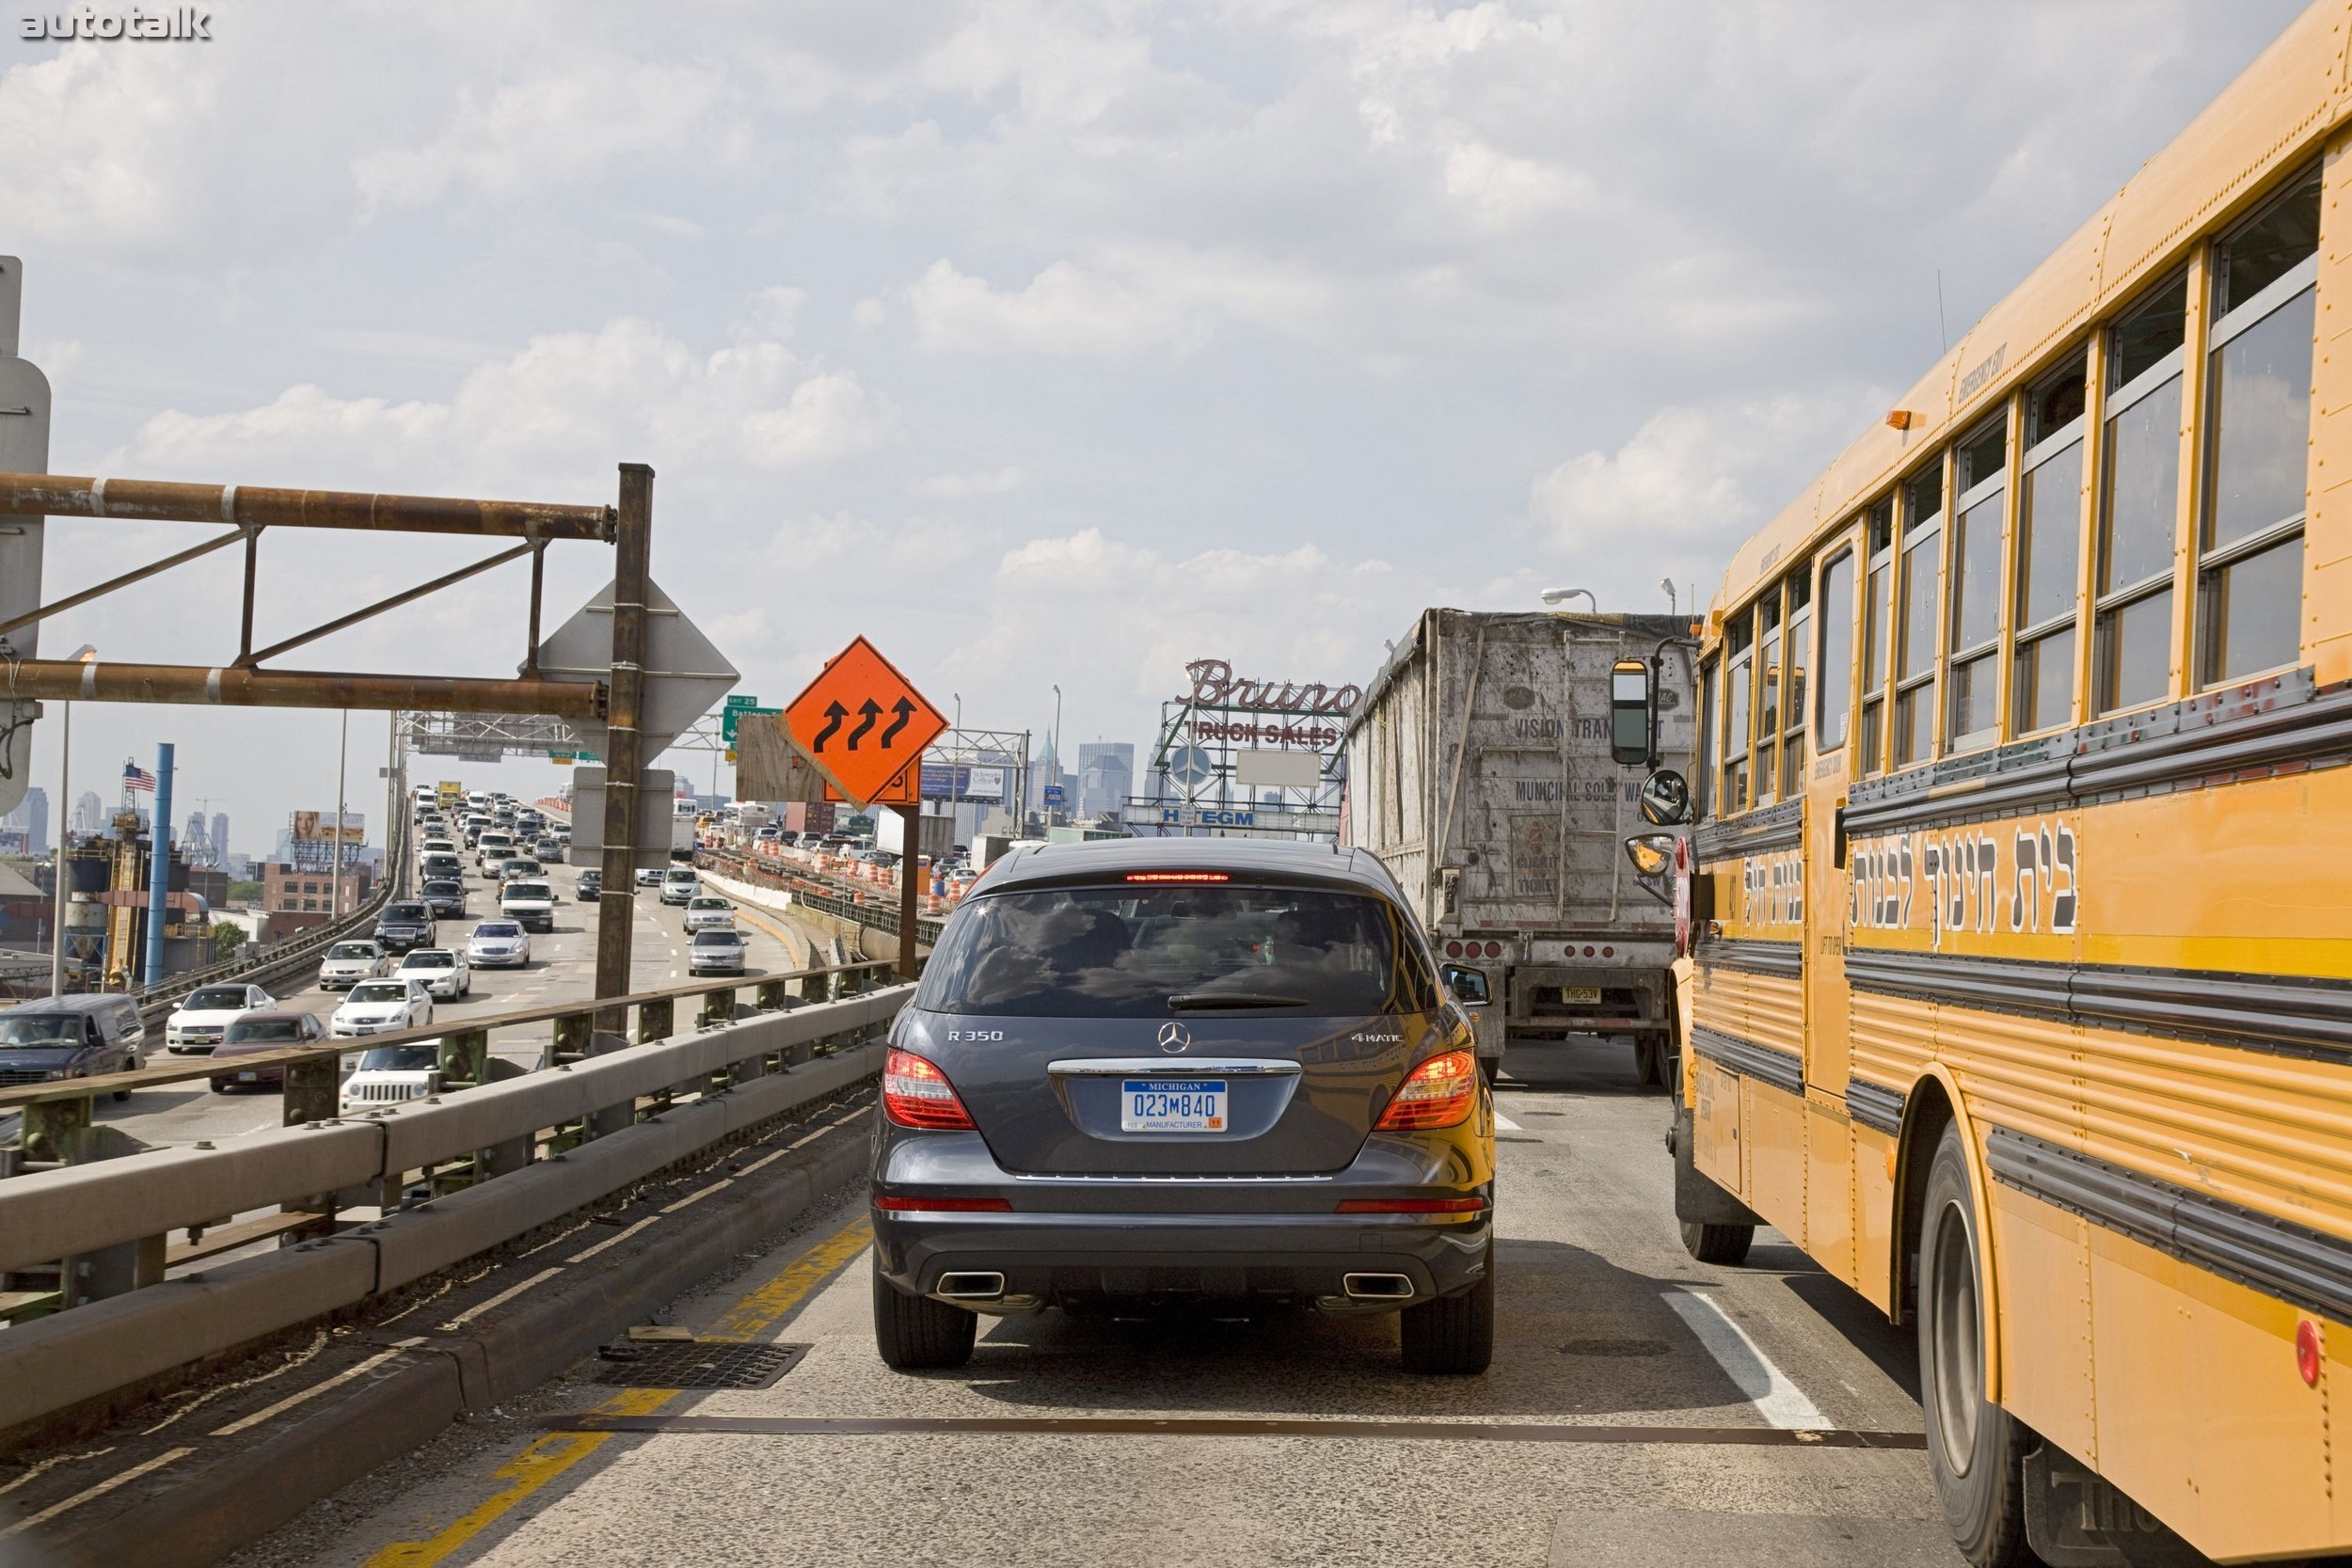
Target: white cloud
[
  {"x": 564, "y": 403},
  {"x": 985, "y": 481},
  {"x": 1063, "y": 311}
]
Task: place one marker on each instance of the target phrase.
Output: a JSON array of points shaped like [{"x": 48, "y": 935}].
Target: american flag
[{"x": 136, "y": 778}]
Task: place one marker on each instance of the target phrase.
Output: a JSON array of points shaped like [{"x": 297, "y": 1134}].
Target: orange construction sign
[{"x": 863, "y": 723}]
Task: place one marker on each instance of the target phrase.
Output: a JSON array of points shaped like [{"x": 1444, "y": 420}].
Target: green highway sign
[
  {"x": 728, "y": 716},
  {"x": 740, "y": 701}
]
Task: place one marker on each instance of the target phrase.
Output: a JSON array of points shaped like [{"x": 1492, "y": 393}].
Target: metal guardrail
[
  {"x": 453, "y": 1176},
  {"x": 824, "y": 898}
]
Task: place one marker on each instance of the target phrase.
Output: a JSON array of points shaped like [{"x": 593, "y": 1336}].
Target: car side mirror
[
  {"x": 1665, "y": 798},
  {"x": 1468, "y": 985},
  {"x": 1628, "y": 713}
]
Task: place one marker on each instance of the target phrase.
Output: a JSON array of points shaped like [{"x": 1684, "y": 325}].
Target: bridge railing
[{"x": 86, "y": 1240}]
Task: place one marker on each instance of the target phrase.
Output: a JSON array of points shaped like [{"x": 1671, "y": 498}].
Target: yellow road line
[
  {"x": 750, "y": 1316},
  {"x": 552, "y": 1455}
]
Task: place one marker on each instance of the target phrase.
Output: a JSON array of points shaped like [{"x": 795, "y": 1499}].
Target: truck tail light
[{"x": 1438, "y": 1093}]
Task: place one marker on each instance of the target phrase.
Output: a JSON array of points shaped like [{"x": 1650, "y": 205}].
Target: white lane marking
[
  {"x": 1505, "y": 1124},
  {"x": 98, "y": 1491},
  {"x": 613, "y": 1240},
  {"x": 1781, "y": 1403},
  {"x": 314, "y": 1390},
  {"x": 500, "y": 1299}
]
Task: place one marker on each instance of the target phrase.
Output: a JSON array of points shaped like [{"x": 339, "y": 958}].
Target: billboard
[{"x": 944, "y": 781}]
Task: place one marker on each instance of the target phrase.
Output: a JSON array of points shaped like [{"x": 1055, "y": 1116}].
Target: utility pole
[
  {"x": 57, "y": 894},
  {"x": 343, "y": 768},
  {"x": 623, "y": 762}
]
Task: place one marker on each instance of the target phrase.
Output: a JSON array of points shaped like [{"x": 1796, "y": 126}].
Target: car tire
[
  {"x": 1452, "y": 1336},
  {"x": 917, "y": 1333},
  {"x": 1975, "y": 1450},
  {"x": 1717, "y": 1244},
  {"x": 1491, "y": 1069}
]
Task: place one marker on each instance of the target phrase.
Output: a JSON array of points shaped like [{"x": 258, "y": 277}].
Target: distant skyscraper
[
  {"x": 195, "y": 844},
  {"x": 220, "y": 838},
  {"x": 32, "y": 815},
  {"x": 1106, "y": 775},
  {"x": 90, "y": 813}
]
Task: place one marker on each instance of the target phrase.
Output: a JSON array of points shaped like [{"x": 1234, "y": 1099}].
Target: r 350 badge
[{"x": 976, "y": 1034}]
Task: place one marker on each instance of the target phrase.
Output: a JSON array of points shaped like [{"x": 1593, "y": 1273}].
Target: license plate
[
  {"x": 1171, "y": 1105},
  {"x": 249, "y": 1077},
  {"x": 1579, "y": 995}
]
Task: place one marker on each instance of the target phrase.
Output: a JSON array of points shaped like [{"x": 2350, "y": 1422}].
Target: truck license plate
[
  {"x": 1580, "y": 997},
  {"x": 1171, "y": 1105}
]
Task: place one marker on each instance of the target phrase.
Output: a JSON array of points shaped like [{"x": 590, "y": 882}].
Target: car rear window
[
  {"x": 214, "y": 998},
  {"x": 265, "y": 1030},
  {"x": 1125, "y": 951}
]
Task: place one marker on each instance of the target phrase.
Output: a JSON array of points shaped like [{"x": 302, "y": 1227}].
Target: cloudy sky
[{"x": 1041, "y": 343}]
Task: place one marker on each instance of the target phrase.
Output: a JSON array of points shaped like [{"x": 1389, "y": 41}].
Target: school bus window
[
  {"x": 1797, "y": 645},
  {"x": 1767, "y": 695},
  {"x": 1738, "y": 681},
  {"x": 2258, "y": 428},
  {"x": 1706, "y": 780},
  {"x": 2140, "y": 495},
  {"x": 1878, "y": 620},
  {"x": 1833, "y": 683},
  {"x": 1981, "y": 462},
  {"x": 2049, "y": 550},
  {"x": 1915, "y": 672}
]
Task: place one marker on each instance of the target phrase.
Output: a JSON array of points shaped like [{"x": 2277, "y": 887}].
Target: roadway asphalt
[
  {"x": 1604, "y": 1324},
  {"x": 562, "y": 967}
]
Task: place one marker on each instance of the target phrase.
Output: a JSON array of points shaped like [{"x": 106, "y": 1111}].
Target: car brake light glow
[
  {"x": 944, "y": 1204},
  {"x": 1438, "y": 1093},
  {"x": 1178, "y": 877},
  {"x": 916, "y": 1094},
  {"x": 1412, "y": 1206}
]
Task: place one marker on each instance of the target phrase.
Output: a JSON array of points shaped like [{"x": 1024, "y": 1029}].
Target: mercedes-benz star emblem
[{"x": 1175, "y": 1037}]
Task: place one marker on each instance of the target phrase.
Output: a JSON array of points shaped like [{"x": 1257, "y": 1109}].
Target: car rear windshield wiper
[{"x": 1196, "y": 1000}]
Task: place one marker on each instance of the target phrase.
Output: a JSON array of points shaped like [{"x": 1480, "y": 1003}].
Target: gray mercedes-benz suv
[{"x": 1185, "y": 1072}]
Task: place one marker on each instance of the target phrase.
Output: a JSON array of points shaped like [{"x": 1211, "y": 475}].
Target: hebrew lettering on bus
[
  {"x": 2011, "y": 878},
  {"x": 1771, "y": 889}
]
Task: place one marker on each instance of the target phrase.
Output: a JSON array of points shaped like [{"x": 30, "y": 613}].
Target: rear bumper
[
  {"x": 1077, "y": 1260},
  {"x": 1077, "y": 1242}
]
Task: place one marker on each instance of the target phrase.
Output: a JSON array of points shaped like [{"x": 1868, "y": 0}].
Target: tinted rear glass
[
  {"x": 265, "y": 1030},
  {"x": 1123, "y": 952}
]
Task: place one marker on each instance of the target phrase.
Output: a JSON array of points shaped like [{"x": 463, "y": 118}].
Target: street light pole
[
  {"x": 56, "y": 900},
  {"x": 1058, "y": 765},
  {"x": 342, "y": 773}
]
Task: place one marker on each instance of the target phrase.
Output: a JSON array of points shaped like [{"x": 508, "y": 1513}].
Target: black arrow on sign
[
  {"x": 835, "y": 713},
  {"x": 905, "y": 710},
  {"x": 873, "y": 710}
]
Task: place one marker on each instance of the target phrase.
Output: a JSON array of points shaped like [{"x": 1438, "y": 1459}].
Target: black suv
[
  {"x": 403, "y": 926},
  {"x": 591, "y": 885},
  {"x": 1185, "y": 1073}
]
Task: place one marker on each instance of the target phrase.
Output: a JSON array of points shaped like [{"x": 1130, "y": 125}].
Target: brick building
[{"x": 295, "y": 898}]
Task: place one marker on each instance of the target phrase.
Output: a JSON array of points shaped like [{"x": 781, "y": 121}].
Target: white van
[
  {"x": 493, "y": 848},
  {"x": 530, "y": 903}
]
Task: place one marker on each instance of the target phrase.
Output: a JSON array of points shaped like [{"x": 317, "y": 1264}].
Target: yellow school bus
[{"x": 2020, "y": 987}]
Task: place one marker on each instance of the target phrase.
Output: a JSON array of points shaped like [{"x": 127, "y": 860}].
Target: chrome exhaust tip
[
  {"x": 1376, "y": 1287},
  {"x": 971, "y": 1285}
]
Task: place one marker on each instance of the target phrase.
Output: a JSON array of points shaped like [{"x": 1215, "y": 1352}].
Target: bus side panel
[
  {"x": 1829, "y": 1222},
  {"x": 1715, "y": 1126},
  {"x": 1874, "y": 1217},
  {"x": 1772, "y": 1125},
  {"x": 2260, "y": 1460},
  {"x": 2042, "y": 1257},
  {"x": 1775, "y": 1009}
]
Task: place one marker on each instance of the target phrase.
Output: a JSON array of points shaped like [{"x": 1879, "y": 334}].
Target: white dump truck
[{"x": 1495, "y": 766}]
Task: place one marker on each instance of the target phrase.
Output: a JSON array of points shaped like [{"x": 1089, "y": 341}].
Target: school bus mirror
[
  {"x": 1652, "y": 854},
  {"x": 1665, "y": 798},
  {"x": 1628, "y": 713}
]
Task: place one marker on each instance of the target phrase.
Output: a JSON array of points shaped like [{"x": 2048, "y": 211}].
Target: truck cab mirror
[
  {"x": 1652, "y": 854},
  {"x": 1629, "y": 713},
  {"x": 1665, "y": 798},
  {"x": 1469, "y": 986}
]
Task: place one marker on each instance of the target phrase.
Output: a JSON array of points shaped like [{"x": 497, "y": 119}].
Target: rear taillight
[
  {"x": 1438, "y": 1093},
  {"x": 917, "y": 1094}
]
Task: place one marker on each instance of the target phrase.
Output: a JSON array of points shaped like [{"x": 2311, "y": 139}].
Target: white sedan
[
  {"x": 198, "y": 1024},
  {"x": 347, "y": 964},
  {"x": 708, "y": 912},
  {"x": 376, "y": 1007},
  {"x": 443, "y": 970},
  {"x": 499, "y": 944}
]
